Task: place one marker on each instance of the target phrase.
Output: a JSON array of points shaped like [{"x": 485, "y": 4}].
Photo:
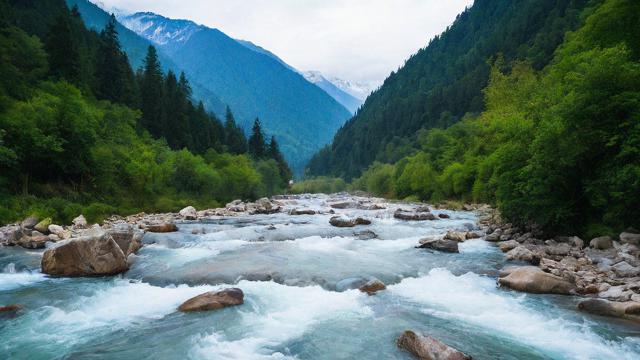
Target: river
[{"x": 294, "y": 271}]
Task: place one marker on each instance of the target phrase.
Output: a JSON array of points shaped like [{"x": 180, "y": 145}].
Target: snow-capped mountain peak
[{"x": 159, "y": 29}]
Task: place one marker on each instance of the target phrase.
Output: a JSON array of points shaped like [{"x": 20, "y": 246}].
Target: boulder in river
[
  {"x": 413, "y": 216},
  {"x": 445, "y": 245},
  {"x": 372, "y": 286},
  {"x": 611, "y": 308},
  {"x": 601, "y": 243},
  {"x": 128, "y": 239},
  {"x": 344, "y": 205},
  {"x": 350, "y": 283},
  {"x": 428, "y": 348},
  {"x": 302, "y": 212},
  {"x": 533, "y": 280},
  {"x": 521, "y": 253},
  {"x": 92, "y": 255},
  {"x": 163, "y": 227},
  {"x": 189, "y": 213},
  {"x": 458, "y": 236},
  {"x": 11, "y": 310},
  {"x": 343, "y": 221},
  {"x": 213, "y": 300},
  {"x": 10, "y": 234},
  {"x": 365, "y": 235}
]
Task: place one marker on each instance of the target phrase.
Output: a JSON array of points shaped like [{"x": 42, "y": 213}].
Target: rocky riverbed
[{"x": 315, "y": 277}]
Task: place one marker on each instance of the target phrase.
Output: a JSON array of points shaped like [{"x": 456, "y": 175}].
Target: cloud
[{"x": 361, "y": 40}]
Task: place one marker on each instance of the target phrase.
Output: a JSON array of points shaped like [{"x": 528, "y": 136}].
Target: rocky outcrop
[
  {"x": 413, "y": 216},
  {"x": 92, "y": 255},
  {"x": 428, "y": 348},
  {"x": 533, "y": 280},
  {"x": 343, "y": 221},
  {"x": 189, "y": 213},
  {"x": 213, "y": 300},
  {"x": 627, "y": 309},
  {"x": 444, "y": 245},
  {"x": 372, "y": 286}
]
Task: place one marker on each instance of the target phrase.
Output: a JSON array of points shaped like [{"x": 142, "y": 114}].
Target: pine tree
[
  {"x": 176, "y": 124},
  {"x": 114, "y": 77},
  {"x": 62, "y": 50},
  {"x": 151, "y": 94},
  {"x": 274, "y": 153},
  {"x": 257, "y": 145},
  {"x": 235, "y": 140}
]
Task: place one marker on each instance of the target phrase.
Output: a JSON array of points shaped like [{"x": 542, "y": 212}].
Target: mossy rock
[{"x": 43, "y": 226}]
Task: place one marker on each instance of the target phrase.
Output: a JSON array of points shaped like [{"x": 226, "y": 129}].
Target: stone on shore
[
  {"x": 630, "y": 238},
  {"x": 37, "y": 241},
  {"x": 343, "y": 221},
  {"x": 509, "y": 245},
  {"x": 296, "y": 212},
  {"x": 521, "y": 253},
  {"x": 92, "y": 255},
  {"x": 59, "y": 231},
  {"x": 43, "y": 226},
  {"x": 428, "y": 348},
  {"x": 533, "y": 280},
  {"x": 372, "y": 287},
  {"x": 601, "y": 243},
  {"x": 10, "y": 234},
  {"x": 189, "y": 213},
  {"x": 213, "y": 300},
  {"x": 444, "y": 245},
  {"x": 79, "y": 222}
]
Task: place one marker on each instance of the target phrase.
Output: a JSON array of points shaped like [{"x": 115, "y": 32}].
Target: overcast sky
[{"x": 357, "y": 40}]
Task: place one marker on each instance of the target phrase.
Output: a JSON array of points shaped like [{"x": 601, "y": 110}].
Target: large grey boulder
[
  {"x": 413, "y": 216},
  {"x": 533, "y": 280},
  {"x": 10, "y": 234},
  {"x": 445, "y": 245},
  {"x": 213, "y": 300},
  {"x": 128, "y": 238},
  {"x": 96, "y": 254},
  {"x": 80, "y": 222},
  {"x": 627, "y": 309},
  {"x": 29, "y": 222},
  {"x": 343, "y": 221},
  {"x": 428, "y": 348}
]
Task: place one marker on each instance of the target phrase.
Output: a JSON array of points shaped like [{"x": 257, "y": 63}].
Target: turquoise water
[{"x": 292, "y": 309}]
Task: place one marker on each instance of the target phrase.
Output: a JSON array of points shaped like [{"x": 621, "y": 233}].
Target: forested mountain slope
[
  {"x": 557, "y": 149},
  {"x": 441, "y": 83},
  {"x": 301, "y": 116},
  {"x": 136, "y": 48}
]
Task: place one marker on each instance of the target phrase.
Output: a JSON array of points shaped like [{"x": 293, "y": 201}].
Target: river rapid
[{"x": 295, "y": 272}]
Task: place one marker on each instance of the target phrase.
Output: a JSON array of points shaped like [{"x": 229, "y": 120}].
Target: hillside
[
  {"x": 136, "y": 48},
  {"x": 255, "y": 84},
  {"x": 441, "y": 83}
]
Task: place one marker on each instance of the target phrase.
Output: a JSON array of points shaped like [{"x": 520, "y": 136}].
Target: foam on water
[
  {"x": 476, "y": 300},
  {"x": 11, "y": 279},
  {"x": 274, "y": 314}
]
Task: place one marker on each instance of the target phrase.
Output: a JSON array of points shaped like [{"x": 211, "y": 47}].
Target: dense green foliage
[
  {"x": 320, "y": 184},
  {"x": 442, "y": 82},
  {"x": 82, "y": 133},
  {"x": 559, "y": 147}
]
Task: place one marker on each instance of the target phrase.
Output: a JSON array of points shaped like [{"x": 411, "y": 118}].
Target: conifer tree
[
  {"x": 151, "y": 94},
  {"x": 176, "y": 124},
  {"x": 114, "y": 76},
  {"x": 62, "y": 50},
  {"x": 235, "y": 139},
  {"x": 257, "y": 145},
  {"x": 274, "y": 153}
]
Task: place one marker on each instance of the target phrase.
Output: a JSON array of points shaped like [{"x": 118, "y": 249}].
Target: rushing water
[{"x": 293, "y": 271}]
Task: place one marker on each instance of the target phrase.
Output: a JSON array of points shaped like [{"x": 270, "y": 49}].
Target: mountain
[
  {"x": 344, "y": 98},
  {"x": 359, "y": 90},
  {"x": 442, "y": 82},
  {"x": 251, "y": 80},
  {"x": 136, "y": 46}
]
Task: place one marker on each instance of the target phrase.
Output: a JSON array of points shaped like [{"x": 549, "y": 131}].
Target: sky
[{"x": 355, "y": 40}]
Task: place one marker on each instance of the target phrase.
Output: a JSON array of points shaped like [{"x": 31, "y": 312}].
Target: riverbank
[{"x": 300, "y": 262}]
